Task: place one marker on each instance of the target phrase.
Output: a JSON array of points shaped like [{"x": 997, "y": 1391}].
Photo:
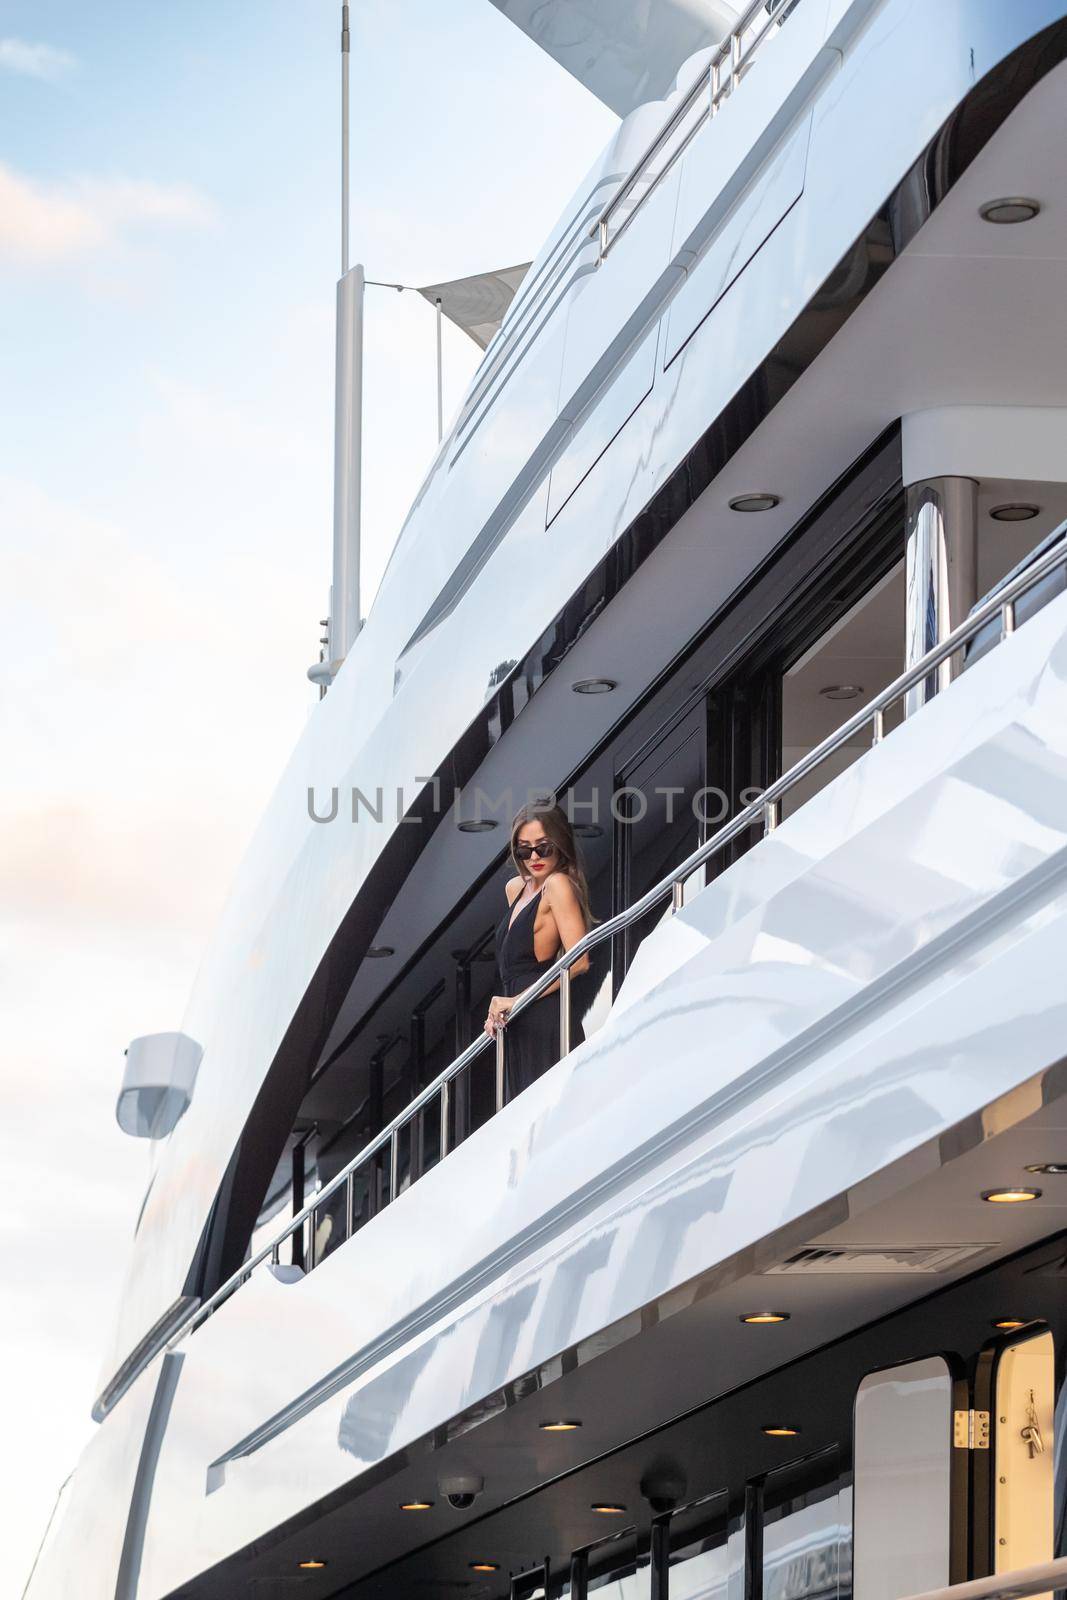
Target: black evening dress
[{"x": 531, "y": 1042}]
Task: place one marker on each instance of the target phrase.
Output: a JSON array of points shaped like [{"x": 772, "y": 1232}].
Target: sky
[{"x": 169, "y": 245}]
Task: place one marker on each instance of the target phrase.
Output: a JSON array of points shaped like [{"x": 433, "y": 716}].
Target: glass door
[
  {"x": 656, "y": 806},
  {"x": 910, "y": 1479}
]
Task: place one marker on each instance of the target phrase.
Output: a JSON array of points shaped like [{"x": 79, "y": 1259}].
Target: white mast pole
[
  {"x": 440, "y": 394},
  {"x": 345, "y": 52},
  {"x": 348, "y": 414}
]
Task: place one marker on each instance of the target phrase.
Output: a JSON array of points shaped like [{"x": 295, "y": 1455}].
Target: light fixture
[
  {"x": 1013, "y": 208},
  {"x": 606, "y": 1509},
  {"x": 1009, "y": 1197},
  {"x": 484, "y": 1566},
  {"x": 842, "y": 691},
  {"x": 416, "y": 1505},
  {"x": 1051, "y": 1169},
  {"x": 477, "y": 825},
  {"x": 756, "y": 1318},
  {"x": 594, "y": 685},
  {"x": 778, "y": 1430},
  {"x": 755, "y": 502},
  {"x": 310, "y": 1566},
  {"x": 378, "y": 951},
  {"x": 1014, "y": 511},
  {"x": 559, "y": 1427},
  {"x": 1008, "y": 1324}
]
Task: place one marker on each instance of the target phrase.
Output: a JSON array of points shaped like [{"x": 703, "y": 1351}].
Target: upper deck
[{"x": 694, "y": 354}]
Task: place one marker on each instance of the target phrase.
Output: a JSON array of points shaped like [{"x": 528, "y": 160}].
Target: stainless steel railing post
[
  {"x": 444, "y": 1119},
  {"x": 500, "y": 1069},
  {"x": 565, "y": 1013}
]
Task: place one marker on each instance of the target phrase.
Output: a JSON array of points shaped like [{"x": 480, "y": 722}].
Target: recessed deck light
[
  {"x": 416, "y": 1505},
  {"x": 779, "y": 1430},
  {"x": 378, "y": 952},
  {"x": 758, "y": 1318},
  {"x": 559, "y": 1427},
  {"x": 1008, "y": 1324},
  {"x": 1015, "y": 511},
  {"x": 755, "y": 502},
  {"x": 842, "y": 691},
  {"x": 485, "y": 1566},
  {"x": 607, "y": 1509},
  {"x": 1010, "y": 1197},
  {"x": 1013, "y": 208},
  {"x": 310, "y": 1566},
  {"x": 1051, "y": 1169},
  {"x": 477, "y": 825},
  {"x": 594, "y": 685}
]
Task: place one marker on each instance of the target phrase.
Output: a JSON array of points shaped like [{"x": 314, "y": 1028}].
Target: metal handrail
[
  {"x": 1005, "y": 1585},
  {"x": 766, "y": 808},
  {"x": 713, "y": 82}
]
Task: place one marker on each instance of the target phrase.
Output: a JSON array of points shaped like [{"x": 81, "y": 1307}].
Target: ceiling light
[
  {"x": 1008, "y": 1324},
  {"x": 607, "y": 1510},
  {"x": 842, "y": 691},
  {"x": 778, "y": 1430},
  {"x": 594, "y": 685},
  {"x": 1014, "y": 208},
  {"x": 378, "y": 951},
  {"x": 1014, "y": 511},
  {"x": 477, "y": 825},
  {"x": 310, "y": 1566},
  {"x": 755, "y": 502},
  {"x": 559, "y": 1427},
  {"x": 1010, "y": 1197},
  {"x": 416, "y": 1505},
  {"x": 485, "y": 1566},
  {"x": 758, "y": 1317},
  {"x": 1051, "y": 1169}
]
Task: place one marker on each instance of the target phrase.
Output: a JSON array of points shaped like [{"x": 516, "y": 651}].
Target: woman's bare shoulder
[
  {"x": 512, "y": 889},
  {"x": 559, "y": 890}
]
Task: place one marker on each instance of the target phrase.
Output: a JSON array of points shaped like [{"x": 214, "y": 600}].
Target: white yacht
[{"x": 747, "y": 544}]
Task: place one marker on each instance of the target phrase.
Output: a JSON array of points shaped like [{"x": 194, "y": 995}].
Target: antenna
[{"x": 345, "y": 53}]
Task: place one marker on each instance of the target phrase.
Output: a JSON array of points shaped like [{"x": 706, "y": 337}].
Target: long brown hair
[{"x": 559, "y": 831}]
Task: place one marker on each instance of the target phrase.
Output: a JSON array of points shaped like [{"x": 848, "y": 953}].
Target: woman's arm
[{"x": 562, "y": 898}]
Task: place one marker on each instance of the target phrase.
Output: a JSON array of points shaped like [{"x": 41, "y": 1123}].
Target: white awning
[
  {"x": 478, "y": 304},
  {"x": 626, "y": 52}
]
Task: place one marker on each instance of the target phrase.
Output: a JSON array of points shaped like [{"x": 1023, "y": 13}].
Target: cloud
[
  {"x": 35, "y": 60},
  {"x": 47, "y": 223}
]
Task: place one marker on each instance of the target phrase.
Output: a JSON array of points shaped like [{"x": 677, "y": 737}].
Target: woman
[{"x": 548, "y": 912}]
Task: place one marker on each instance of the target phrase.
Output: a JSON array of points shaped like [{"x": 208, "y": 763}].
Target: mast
[{"x": 345, "y": 620}]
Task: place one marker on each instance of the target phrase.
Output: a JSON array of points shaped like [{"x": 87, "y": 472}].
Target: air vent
[{"x": 871, "y": 1258}]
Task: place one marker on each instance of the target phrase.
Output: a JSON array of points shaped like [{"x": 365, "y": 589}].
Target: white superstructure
[{"x": 730, "y": 1300}]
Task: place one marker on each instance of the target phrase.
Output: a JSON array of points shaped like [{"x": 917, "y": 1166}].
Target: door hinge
[{"x": 970, "y": 1430}]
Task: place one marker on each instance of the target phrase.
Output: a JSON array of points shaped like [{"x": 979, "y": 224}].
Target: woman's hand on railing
[{"x": 499, "y": 1009}]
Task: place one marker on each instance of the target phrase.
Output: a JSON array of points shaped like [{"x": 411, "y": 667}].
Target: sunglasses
[{"x": 542, "y": 850}]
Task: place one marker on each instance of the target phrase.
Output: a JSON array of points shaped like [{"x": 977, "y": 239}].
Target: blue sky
[{"x": 169, "y": 244}]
